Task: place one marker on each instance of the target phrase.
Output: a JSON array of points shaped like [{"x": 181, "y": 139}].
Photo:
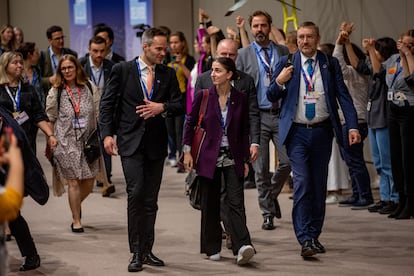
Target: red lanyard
[{"x": 76, "y": 106}]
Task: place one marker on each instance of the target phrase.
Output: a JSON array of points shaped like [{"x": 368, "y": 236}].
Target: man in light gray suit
[{"x": 259, "y": 60}]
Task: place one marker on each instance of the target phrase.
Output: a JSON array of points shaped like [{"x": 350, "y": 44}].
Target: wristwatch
[{"x": 186, "y": 148}]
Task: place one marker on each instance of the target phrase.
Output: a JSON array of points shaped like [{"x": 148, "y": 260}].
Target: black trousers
[
  {"x": 143, "y": 180},
  {"x": 401, "y": 130},
  {"x": 233, "y": 208},
  {"x": 20, "y": 230}
]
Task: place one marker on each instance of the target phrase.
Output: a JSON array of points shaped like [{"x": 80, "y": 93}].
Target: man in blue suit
[{"x": 310, "y": 88}]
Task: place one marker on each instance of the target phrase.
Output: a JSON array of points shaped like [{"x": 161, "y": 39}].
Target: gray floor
[{"x": 357, "y": 242}]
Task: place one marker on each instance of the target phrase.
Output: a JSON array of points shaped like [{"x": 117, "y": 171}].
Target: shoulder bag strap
[{"x": 203, "y": 107}]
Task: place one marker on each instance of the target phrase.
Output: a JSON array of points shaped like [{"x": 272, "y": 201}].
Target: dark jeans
[
  {"x": 354, "y": 159},
  {"x": 233, "y": 207},
  {"x": 175, "y": 127}
]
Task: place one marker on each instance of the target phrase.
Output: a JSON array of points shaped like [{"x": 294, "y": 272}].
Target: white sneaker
[
  {"x": 246, "y": 252},
  {"x": 215, "y": 257},
  {"x": 332, "y": 199},
  {"x": 173, "y": 163}
]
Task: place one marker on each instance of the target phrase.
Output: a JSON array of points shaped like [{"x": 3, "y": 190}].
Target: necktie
[
  {"x": 266, "y": 55},
  {"x": 275, "y": 105},
  {"x": 150, "y": 80},
  {"x": 309, "y": 107}
]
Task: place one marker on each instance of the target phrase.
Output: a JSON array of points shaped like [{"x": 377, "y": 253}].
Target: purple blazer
[{"x": 237, "y": 131}]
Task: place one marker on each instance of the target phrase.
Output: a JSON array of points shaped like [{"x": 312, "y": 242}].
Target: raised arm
[{"x": 244, "y": 37}]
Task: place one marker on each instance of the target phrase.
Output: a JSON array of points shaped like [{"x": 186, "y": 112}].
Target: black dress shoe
[
  {"x": 308, "y": 249},
  {"x": 248, "y": 184},
  {"x": 407, "y": 212},
  {"x": 31, "y": 262},
  {"x": 278, "y": 213},
  {"x": 151, "y": 259},
  {"x": 388, "y": 209},
  {"x": 268, "y": 223},
  {"x": 76, "y": 230},
  {"x": 318, "y": 246},
  {"x": 136, "y": 263}
]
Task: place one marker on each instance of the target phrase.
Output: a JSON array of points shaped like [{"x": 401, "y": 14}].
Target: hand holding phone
[{"x": 7, "y": 135}]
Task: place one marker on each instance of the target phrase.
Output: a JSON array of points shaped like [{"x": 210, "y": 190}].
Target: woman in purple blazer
[{"x": 222, "y": 162}]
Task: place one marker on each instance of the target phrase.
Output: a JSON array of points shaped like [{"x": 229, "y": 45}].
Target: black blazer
[
  {"x": 244, "y": 83},
  {"x": 134, "y": 132},
  {"x": 107, "y": 66},
  {"x": 117, "y": 58}
]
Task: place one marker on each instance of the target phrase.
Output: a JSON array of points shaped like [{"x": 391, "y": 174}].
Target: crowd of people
[{"x": 317, "y": 103}]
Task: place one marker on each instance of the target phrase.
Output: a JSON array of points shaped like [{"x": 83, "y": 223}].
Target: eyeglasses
[
  {"x": 59, "y": 38},
  {"x": 67, "y": 69}
]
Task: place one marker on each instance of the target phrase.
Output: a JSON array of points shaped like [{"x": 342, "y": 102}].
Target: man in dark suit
[
  {"x": 107, "y": 33},
  {"x": 49, "y": 59},
  {"x": 141, "y": 93},
  {"x": 310, "y": 90},
  {"x": 259, "y": 60},
  {"x": 98, "y": 68}
]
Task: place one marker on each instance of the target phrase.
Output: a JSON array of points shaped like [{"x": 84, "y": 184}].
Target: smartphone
[
  {"x": 289, "y": 60},
  {"x": 7, "y": 134}
]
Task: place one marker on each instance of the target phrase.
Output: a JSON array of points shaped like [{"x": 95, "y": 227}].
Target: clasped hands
[{"x": 149, "y": 109}]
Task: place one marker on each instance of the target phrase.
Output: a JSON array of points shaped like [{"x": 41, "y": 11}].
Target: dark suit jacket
[
  {"x": 45, "y": 64},
  {"x": 35, "y": 183},
  {"x": 335, "y": 91},
  {"x": 30, "y": 103},
  {"x": 117, "y": 58},
  {"x": 107, "y": 66},
  {"x": 243, "y": 83},
  {"x": 133, "y": 131},
  {"x": 237, "y": 131}
]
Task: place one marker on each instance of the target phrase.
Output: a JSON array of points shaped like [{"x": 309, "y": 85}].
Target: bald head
[{"x": 227, "y": 48}]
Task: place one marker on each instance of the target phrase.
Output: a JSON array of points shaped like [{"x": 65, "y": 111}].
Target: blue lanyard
[
  {"x": 52, "y": 57},
  {"x": 224, "y": 120},
  {"x": 16, "y": 100},
  {"x": 266, "y": 66},
  {"x": 93, "y": 77},
  {"x": 143, "y": 85},
  {"x": 309, "y": 79},
  {"x": 34, "y": 80},
  {"x": 396, "y": 73}
]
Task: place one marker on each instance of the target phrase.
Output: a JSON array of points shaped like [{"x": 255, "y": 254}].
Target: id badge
[
  {"x": 369, "y": 106},
  {"x": 21, "y": 117},
  {"x": 311, "y": 97},
  {"x": 390, "y": 95},
  {"x": 78, "y": 123}
]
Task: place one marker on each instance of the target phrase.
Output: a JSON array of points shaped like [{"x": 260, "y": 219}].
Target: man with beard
[{"x": 259, "y": 60}]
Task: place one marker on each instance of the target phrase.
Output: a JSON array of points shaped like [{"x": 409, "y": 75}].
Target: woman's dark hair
[
  {"x": 358, "y": 52},
  {"x": 386, "y": 46},
  {"x": 229, "y": 65},
  {"x": 327, "y": 48},
  {"x": 26, "y": 48}
]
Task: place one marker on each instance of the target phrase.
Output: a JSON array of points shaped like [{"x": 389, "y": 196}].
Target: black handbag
[
  {"x": 192, "y": 189},
  {"x": 91, "y": 149}
]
